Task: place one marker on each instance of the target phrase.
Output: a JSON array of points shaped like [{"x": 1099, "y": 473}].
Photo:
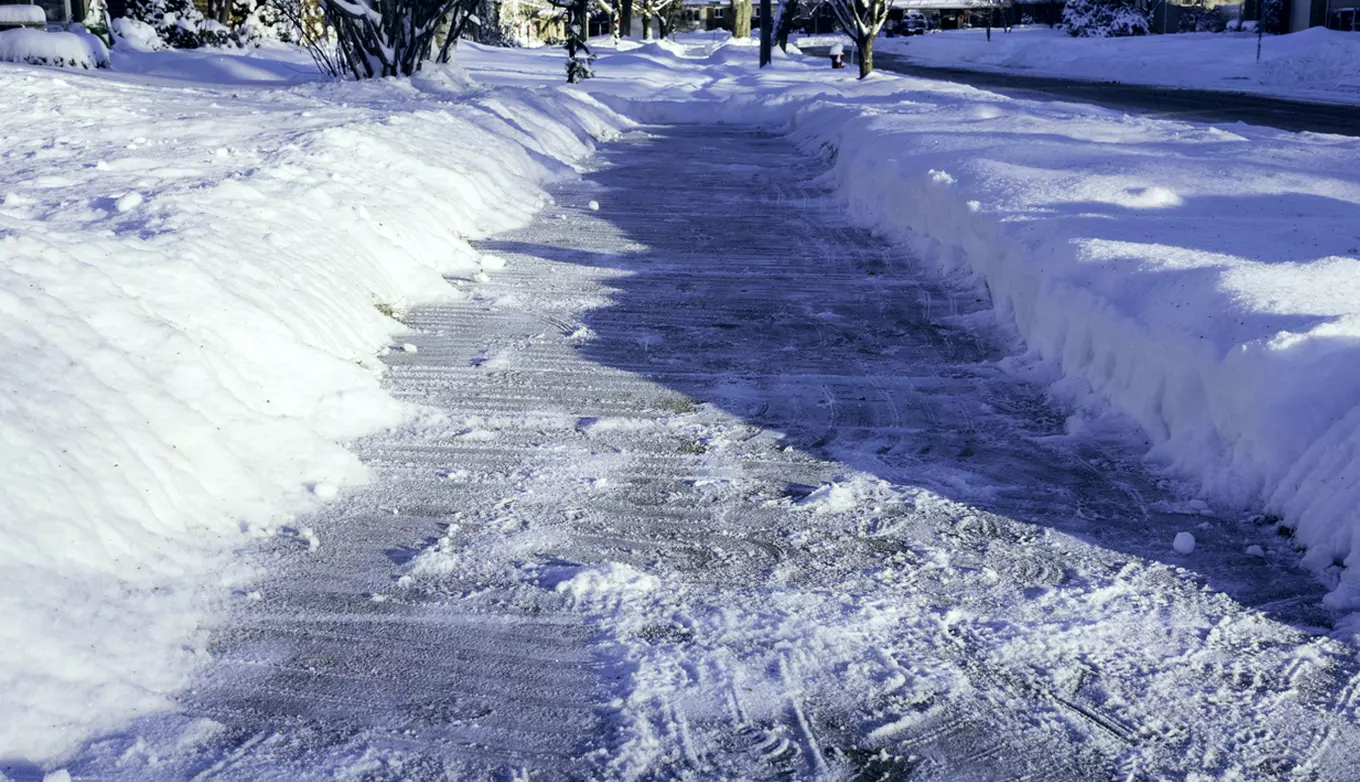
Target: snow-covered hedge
[
  {"x": 1104, "y": 18},
  {"x": 178, "y": 24},
  {"x": 57, "y": 49}
]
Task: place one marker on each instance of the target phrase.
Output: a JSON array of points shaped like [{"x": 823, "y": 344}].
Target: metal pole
[{"x": 766, "y": 33}]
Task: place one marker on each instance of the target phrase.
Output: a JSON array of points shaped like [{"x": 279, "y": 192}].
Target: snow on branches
[
  {"x": 1104, "y": 18},
  {"x": 379, "y": 38}
]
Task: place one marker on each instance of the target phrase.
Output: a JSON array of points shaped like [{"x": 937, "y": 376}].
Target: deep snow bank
[
  {"x": 1202, "y": 281},
  {"x": 190, "y": 283}
]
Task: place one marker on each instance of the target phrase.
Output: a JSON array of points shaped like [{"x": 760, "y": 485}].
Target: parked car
[{"x": 913, "y": 23}]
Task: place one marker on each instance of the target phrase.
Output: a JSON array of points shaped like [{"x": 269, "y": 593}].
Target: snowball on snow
[
  {"x": 594, "y": 206},
  {"x": 1184, "y": 543},
  {"x": 57, "y": 49},
  {"x": 325, "y": 491},
  {"x": 1255, "y": 551},
  {"x": 129, "y": 201}
]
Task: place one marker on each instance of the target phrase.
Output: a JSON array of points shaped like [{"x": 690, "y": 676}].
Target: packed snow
[
  {"x": 1315, "y": 64},
  {"x": 197, "y": 290}
]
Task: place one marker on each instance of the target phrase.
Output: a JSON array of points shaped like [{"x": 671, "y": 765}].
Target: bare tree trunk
[
  {"x": 578, "y": 32},
  {"x": 789, "y": 12},
  {"x": 741, "y": 18},
  {"x": 627, "y": 19},
  {"x": 646, "y": 26},
  {"x": 766, "y": 33},
  {"x": 861, "y": 20}
]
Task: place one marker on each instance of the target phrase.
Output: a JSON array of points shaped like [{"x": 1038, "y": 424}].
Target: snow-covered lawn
[
  {"x": 194, "y": 278},
  {"x": 1315, "y": 64},
  {"x": 195, "y": 283}
]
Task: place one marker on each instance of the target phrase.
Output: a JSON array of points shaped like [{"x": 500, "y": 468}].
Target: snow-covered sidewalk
[
  {"x": 195, "y": 282},
  {"x": 197, "y": 278},
  {"x": 1313, "y": 65},
  {"x": 1202, "y": 282},
  {"x": 711, "y": 484}
]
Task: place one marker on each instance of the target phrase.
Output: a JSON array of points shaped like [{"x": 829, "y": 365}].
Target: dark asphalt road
[{"x": 1170, "y": 103}]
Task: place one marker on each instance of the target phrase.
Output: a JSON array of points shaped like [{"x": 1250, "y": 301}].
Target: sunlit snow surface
[{"x": 707, "y": 482}]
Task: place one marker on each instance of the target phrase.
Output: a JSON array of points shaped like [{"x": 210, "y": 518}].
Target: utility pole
[{"x": 766, "y": 33}]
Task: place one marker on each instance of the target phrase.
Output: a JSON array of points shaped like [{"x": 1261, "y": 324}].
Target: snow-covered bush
[
  {"x": 1104, "y": 18},
  {"x": 1202, "y": 20},
  {"x": 57, "y": 49},
  {"x": 135, "y": 35},
  {"x": 179, "y": 24},
  {"x": 253, "y": 21},
  {"x": 1271, "y": 18},
  {"x": 381, "y": 38}
]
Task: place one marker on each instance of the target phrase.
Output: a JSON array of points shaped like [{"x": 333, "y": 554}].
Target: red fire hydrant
[{"x": 837, "y": 55}]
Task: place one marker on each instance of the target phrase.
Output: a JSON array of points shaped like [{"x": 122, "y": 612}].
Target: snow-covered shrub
[
  {"x": 135, "y": 35},
  {"x": 96, "y": 21},
  {"x": 179, "y": 24},
  {"x": 381, "y": 38},
  {"x": 1271, "y": 18},
  {"x": 1104, "y": 18},
  {"x": 253, "y": 21},
  {"x": 57, "y": 49},
  {"x": 1202, "y": 20}
]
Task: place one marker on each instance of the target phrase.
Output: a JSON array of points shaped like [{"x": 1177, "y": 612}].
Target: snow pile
[
  {"x": 1314, "y": 64},
  {"x": 58, "y": 49},
  {"x": 1316, "y": 57},
  {"x": 607, "y": 582},
  {"x": 192, "y": 293},
  {"x": 1221, "y": 313}
]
